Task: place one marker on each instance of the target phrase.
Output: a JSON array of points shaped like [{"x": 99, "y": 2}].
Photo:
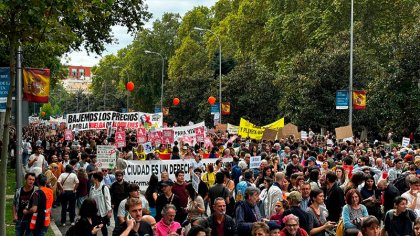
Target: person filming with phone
[{"x": 133, "y": 225}]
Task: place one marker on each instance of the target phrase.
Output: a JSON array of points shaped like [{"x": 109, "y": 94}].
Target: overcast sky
[{"x": 157, "y": 8}]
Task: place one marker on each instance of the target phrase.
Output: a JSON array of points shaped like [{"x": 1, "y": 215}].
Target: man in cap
[
  {"x": 305, "y": 219},
  {"x": 167, "y": 197},
  {"x": 311, "y": 161}
]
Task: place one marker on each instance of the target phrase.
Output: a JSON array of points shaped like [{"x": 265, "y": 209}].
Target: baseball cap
[
  {"x": 167, "y": 183},
  {"x": 311, "y": 158},
  {"x": 295, "y": 196}
]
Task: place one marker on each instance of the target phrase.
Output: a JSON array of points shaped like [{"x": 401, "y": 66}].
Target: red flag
[
  {"x": 359, "y": 99},
  {"x": 36, "y": 85},
  {"x": 225, "y": 108}
]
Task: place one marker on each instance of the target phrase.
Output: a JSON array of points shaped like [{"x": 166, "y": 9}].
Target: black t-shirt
[
  {"x": 203, "y": 190},
  {"x": 144, "y": 229},
  {"x": 290, "y": 169},
  {"x": 401, "y": 224},
  {"x": 23, "y": 201}
]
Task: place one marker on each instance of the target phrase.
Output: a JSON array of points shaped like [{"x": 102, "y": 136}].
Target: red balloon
[
  {"x": 211, "y": 100},
  {"x": 130, "y": 86},
  {"x": 176, "y": 101}
]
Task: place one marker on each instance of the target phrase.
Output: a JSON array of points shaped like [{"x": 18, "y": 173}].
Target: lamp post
[
  {"x": 128, "y": 92},
  {"x": 351, "y": 68},
  {"x": 163, "y": 68},
  {"x": 220, "y": 68}
]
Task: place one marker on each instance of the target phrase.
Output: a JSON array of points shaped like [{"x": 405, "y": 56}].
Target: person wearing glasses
[{"x": 291, "y": 223}]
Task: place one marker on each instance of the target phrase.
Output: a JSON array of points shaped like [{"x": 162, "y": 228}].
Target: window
[
  {"x": 82, "y": 73},
  {"x": 74, "y": 72}
]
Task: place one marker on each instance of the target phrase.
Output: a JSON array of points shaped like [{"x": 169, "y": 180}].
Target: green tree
[{"x": 71, "y": 24}]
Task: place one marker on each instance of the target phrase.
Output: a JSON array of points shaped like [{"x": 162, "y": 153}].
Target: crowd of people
[{"x": 317, "y": 186}]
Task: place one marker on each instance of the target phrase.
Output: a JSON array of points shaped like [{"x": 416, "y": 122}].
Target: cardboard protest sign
[
  {"x": 287, "y": 130},
  {"x": 344, "y": 132},
  {"x": 255, "y": 162},
  {"x": 120, "y": 139},
  {"x": 269, "y": 134},
  {"x": 221, "y": 127},
  {"x": 167, "y": 136},
  {"x": 106, "y": 156},
  {"x": 68, "y": 135}
]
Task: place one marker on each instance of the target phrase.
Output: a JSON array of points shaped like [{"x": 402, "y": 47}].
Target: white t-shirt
[
  {"x": 410, "y": 199},
  {"x": 121, "y": 208},
  {"x": 69, "y": 183},
  {"x": 38, "y": 165}
]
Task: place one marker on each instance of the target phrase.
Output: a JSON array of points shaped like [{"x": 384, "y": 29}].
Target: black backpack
[{"x": 401, "y": 184}]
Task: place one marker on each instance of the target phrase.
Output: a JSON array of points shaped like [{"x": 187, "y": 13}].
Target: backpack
[{"x": 401, "y": 184}]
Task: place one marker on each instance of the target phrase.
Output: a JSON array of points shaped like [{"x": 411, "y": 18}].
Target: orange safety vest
[
  {"x": 49, "y": 198},
  {"x": 49, "y": 194}
]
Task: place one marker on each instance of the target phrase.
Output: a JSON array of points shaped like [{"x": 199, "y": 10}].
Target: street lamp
[
  {"x": 128, "y": 92},
  {"x": 220, "y": 69},
  {"x": 351, "y": 67},
  {"x": 163, "y": 68}
]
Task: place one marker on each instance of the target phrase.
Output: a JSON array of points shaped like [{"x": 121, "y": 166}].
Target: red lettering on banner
[{"x": 97, "y": 125}]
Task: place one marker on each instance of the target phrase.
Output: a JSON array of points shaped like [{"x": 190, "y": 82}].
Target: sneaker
[
  {"x": 63, "y": 224},
  {"x": 72, "y": 223}
]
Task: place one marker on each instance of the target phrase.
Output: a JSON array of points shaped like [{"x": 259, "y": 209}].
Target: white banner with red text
[
  {"x": 105, "y": 119},
  {"x": 139, "y": 172}
]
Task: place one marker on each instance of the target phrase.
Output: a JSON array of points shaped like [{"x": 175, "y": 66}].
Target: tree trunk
[{"x": 4, "y": 152}]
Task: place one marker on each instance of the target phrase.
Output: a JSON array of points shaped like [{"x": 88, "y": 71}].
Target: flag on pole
[
  {"x": 165, "y": 111},
  {"x": 225, "y": 108},
  {"x": 359, "y": 99},
  {"x": 36, "y": 85}
]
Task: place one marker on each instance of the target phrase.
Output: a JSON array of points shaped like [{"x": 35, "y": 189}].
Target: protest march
[{"x": 275, "y": 178}]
